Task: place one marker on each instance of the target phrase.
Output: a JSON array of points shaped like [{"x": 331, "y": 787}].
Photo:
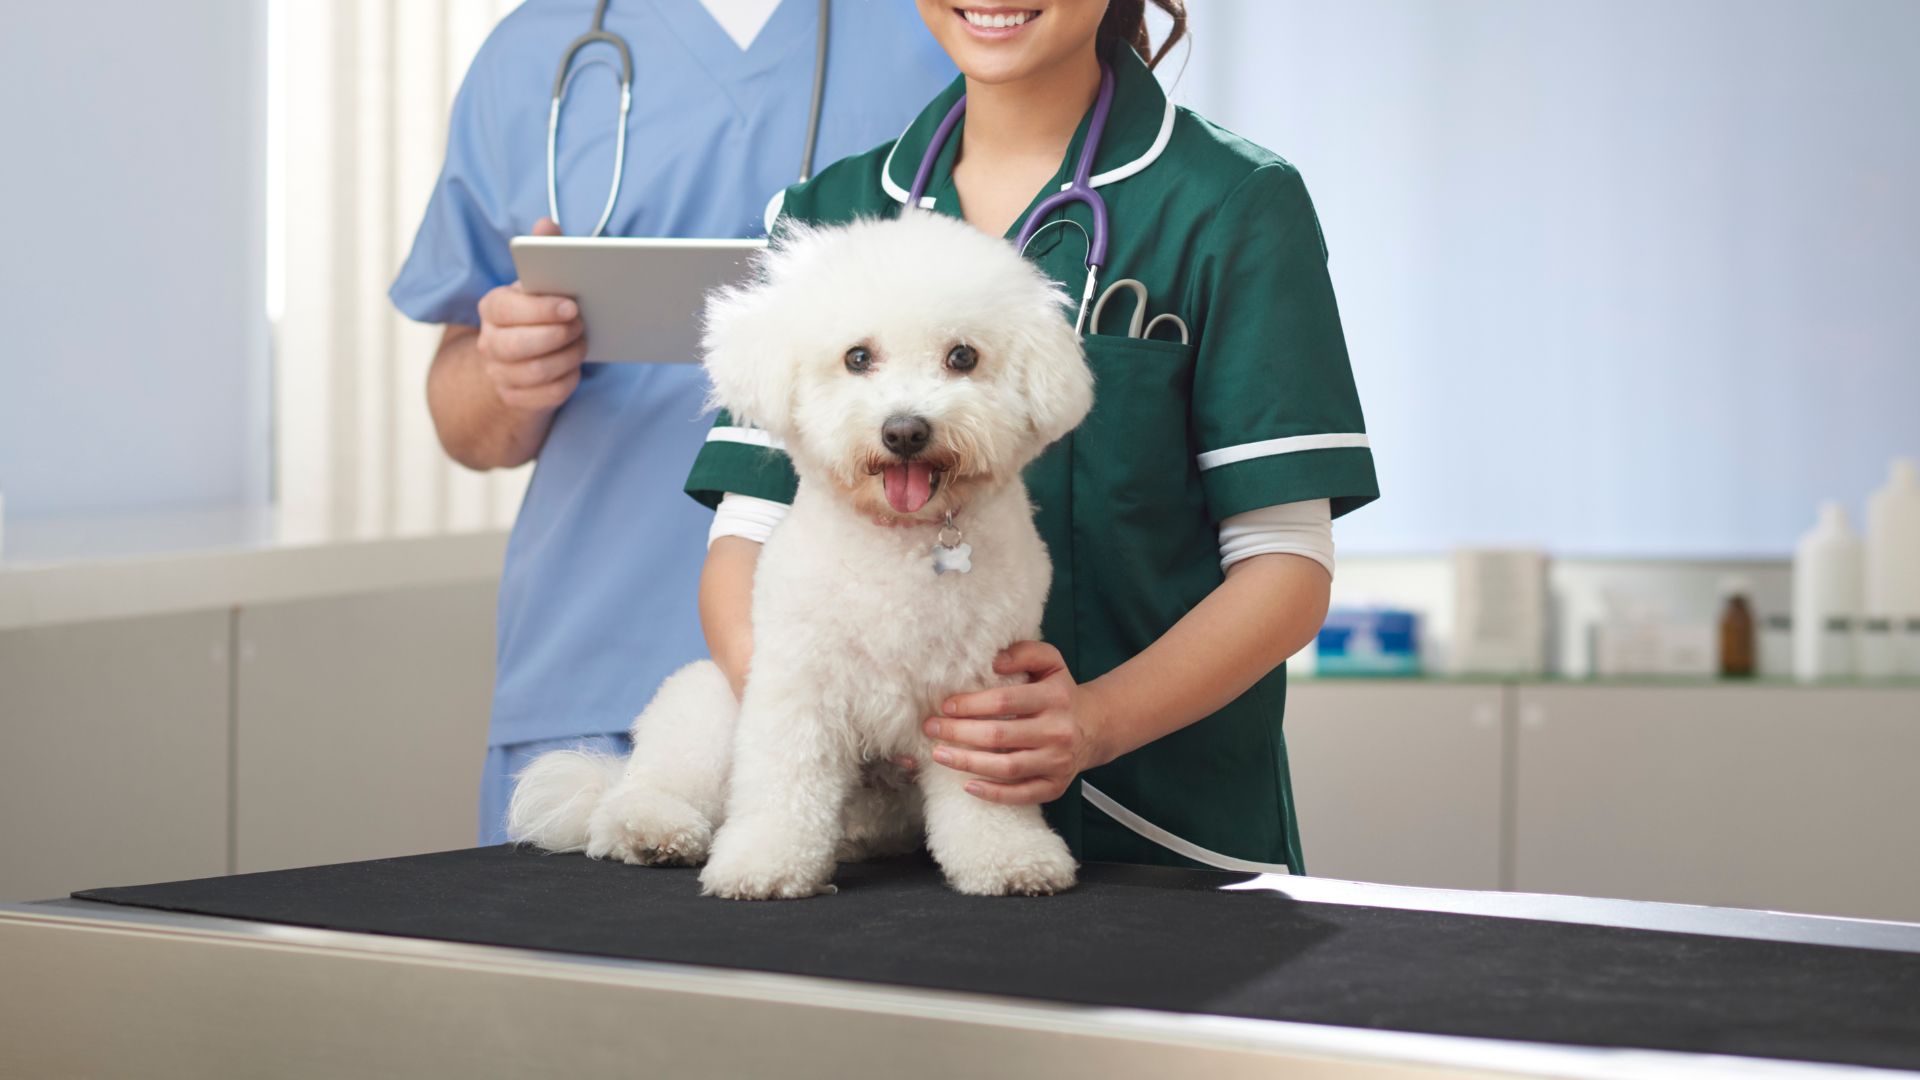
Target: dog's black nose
[{"x": 906, "y": 435}]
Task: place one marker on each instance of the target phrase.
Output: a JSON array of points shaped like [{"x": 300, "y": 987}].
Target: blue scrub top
[{"x": 597, "y": 599}]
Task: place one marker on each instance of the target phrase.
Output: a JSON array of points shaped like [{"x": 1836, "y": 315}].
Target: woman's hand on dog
[{"x": 1025, "y": 743}]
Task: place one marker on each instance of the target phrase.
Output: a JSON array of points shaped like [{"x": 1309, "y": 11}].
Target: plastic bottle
[
  {"x": 1893, "y": 561},
  {"x": 1826, "y": 597}
]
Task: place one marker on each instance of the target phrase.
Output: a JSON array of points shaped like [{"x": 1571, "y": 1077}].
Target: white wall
[
  {"x": 133, "y": 356},
  {"x": 1619, "y": 276}
]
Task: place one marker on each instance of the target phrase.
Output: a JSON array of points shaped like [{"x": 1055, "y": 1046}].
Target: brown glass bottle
[{"x": 1736, "y": 639}]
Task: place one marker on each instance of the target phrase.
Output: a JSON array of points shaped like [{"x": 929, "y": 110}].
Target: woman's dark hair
[{"x": 1126, "y": 20}]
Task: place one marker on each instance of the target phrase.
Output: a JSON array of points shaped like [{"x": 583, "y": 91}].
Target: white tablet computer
[{"x": 641, "y": 297}]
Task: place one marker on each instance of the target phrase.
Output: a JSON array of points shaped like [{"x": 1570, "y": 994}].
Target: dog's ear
[
  {"x": 749, "y": 355},
  {"x": 1054, "y": 376}
]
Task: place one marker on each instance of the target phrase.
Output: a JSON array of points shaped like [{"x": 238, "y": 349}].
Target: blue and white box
[{"x": 1369, "y": 641}]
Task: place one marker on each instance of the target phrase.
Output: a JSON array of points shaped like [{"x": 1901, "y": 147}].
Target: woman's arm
[
  {"x": 1027, "y": 742},
  {"x": 726, "y": 605},
  {"x": 1268, "y": 608}
]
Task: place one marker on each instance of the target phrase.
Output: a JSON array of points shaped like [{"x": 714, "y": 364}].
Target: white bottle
[
  {"x": 1893, "y": 561},
  {"x": 1826, "y": 597}
]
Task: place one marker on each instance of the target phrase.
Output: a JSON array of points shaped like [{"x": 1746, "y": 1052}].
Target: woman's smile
[{"x": 996, "y": 24}]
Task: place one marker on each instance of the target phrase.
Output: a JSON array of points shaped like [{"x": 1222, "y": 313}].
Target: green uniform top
[{"x": 1259, "y": 409}]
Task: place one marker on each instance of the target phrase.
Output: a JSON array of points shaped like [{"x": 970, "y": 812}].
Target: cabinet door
[
  {"x": 1398, "y": 782},
  {"x": 362, "y": 724},
  {"x": 1778, "y": 797},
  {"x": 113, "y": 753}
]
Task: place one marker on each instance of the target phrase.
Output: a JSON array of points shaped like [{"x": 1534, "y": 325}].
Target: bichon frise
[{"x": 911, "y": 368}]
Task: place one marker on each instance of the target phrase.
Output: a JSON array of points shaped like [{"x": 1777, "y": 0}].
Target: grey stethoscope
[{"x": 563, "y": 81}]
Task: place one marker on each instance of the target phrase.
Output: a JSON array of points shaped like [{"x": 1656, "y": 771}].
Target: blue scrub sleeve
[{"x": 461, "y": 249}]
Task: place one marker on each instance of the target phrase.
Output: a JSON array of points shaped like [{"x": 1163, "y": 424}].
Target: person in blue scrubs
[{"x": 598, "y": 595}]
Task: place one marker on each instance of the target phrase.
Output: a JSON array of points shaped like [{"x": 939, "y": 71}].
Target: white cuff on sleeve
[
  {"x": 745, "y": 516},
  {"x": 1296, "y": 528}
]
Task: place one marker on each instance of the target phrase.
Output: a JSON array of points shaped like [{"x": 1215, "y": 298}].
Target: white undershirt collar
[{"x": 741, "y": 19}]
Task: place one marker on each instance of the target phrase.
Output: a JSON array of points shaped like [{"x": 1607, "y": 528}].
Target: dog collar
[{"x": 951, "y": 553}]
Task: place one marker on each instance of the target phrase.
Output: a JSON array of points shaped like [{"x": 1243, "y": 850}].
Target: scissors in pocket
[{"x": 1139, "y": 326}]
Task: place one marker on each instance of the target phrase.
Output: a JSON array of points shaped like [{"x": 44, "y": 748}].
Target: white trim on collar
[
  {"x": 1117, "y": 173},
  {"x": 1121, "y": 172},
  {"x": 893, "y": 190}
]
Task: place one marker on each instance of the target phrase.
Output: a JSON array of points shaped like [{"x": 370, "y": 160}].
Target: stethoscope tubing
[
  {"x": 619, "y": 152},
  {"x": 1079, "y": 189},
  {"x": 563, "y": 81},
  {"x": 819, "y": 94}
]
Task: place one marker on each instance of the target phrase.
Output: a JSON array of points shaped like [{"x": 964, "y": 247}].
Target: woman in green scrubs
[{"x": 1150, "y": 723}]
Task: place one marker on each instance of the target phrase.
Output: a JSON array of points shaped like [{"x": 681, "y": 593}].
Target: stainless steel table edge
[{"x": 1282, "y": 1041}]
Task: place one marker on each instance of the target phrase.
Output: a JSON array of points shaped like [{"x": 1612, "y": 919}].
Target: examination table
[{"x": 504, "y": 962}]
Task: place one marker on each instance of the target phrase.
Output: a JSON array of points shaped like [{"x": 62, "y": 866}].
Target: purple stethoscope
[{"x": 1079, "y": 189}]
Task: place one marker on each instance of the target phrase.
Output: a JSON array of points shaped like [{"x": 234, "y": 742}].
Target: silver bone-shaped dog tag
[
  {"x": 959, "y": 559},
  {"x": 951, "y": 555}
]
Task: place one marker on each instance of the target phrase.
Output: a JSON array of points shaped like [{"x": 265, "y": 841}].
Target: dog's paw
[
  {"x": 647, "y": 828},
  {"x": 748, "y": 864},
  {"x": 1028, "y": 862}
]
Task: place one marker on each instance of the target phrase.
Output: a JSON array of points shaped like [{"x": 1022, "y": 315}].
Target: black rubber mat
[{"x": 1150, "y": 938}]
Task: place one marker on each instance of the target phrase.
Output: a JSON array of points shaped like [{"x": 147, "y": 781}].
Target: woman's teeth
[{"x": 997, "y": 20}]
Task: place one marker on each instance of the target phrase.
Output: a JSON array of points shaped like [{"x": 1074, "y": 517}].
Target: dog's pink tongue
[{"x": 909, "y": 486}]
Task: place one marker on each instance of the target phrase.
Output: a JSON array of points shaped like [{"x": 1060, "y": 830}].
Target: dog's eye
[
  {"x": 859, "y": 360},
  {"x": 962, "y": 358}
]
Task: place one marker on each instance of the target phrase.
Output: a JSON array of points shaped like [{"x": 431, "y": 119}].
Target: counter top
[{"x": 75, "y": 570}]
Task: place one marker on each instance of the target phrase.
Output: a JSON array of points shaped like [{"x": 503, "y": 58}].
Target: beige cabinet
[
  {"x": 1399, "y": 782},
  {"x": 361, "y": 724},
  {"x": 274, "y": 735},
  {"x": 114, "y": 753},
  {"x": 353, "y": 727},
  {"x": 1768, "y": 796}
]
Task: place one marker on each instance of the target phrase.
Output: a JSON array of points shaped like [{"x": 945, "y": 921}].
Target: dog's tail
[{"x": 554, "y": 797}]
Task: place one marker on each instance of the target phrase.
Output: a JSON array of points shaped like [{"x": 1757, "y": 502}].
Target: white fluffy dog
[{"x": 911, "y": 368}]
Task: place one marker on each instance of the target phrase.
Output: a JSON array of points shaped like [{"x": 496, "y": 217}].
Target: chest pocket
[
  {"x": 1131, "y": 454},
  {"x": 1122, "y": 509}
]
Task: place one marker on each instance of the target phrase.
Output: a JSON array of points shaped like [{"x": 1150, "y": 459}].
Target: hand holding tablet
[{"x": 641, "y": 297}]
